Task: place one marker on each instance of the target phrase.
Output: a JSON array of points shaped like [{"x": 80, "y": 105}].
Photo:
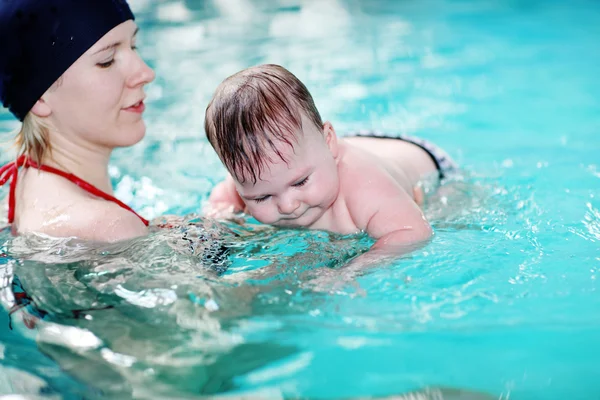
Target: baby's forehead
[
  {"x": 284, "y": 142},
  {"x": 285, "y": 145},
  {"x": 274, "y": 155}
]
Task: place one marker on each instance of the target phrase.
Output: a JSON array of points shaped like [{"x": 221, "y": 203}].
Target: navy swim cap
[{"x": 41, "y": 39}]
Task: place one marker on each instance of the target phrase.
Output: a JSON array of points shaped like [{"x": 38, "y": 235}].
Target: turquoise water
[{"x": 503, "y": 301}]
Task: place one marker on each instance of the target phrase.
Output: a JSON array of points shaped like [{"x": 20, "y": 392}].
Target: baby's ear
[{"x": 330, "y": 138}]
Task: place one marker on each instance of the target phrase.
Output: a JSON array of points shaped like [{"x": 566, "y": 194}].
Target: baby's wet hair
[{"x": 254, "y": 111}]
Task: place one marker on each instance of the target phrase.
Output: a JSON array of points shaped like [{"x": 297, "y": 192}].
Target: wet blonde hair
[{"x": 32, "y": 139}]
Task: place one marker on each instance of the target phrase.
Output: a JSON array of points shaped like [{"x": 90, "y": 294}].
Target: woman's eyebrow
[
  {"x": 116, "y": 44},
  {"x": 110, "y": 46}
]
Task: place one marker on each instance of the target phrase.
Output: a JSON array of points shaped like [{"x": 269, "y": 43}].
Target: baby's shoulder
[
  {"x": 360, "y": 170},
  {"x": 362, "y": 190},
  {"x": 377, "y": 171},
  {"x": 356, "y": 162}
]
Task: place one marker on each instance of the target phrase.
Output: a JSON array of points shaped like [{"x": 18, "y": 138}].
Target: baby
[{"x": 288, "y": 168}]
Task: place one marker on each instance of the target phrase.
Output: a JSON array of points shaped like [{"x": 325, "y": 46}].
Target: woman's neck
[{"x": 87, "y": 162}]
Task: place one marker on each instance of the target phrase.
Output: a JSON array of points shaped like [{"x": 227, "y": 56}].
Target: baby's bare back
[{"x": 406, "y": 162}]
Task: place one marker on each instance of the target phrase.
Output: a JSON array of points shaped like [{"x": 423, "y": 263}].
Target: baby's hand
[
  {"x": 419, "y": 195},
  {"x": 221, "y": 210},
  {"x": 224, "y": 196}
]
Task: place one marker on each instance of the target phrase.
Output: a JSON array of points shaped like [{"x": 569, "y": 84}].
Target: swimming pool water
[{"x": 504, "y": 300}]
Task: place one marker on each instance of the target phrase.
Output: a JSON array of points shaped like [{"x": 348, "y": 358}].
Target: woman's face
[{"x": 99, "y": 100}]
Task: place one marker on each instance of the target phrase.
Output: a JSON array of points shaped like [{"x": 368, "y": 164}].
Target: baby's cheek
[
  {"x": 322, "y": 192},
  {"x": 261, "y": 214}
]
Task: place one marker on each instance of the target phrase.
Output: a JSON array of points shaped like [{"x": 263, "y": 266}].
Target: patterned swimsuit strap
[{"x": 11, "y": 171}]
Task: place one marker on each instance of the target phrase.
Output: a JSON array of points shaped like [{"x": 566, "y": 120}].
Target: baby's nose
[{"x": 288, "y": 205}]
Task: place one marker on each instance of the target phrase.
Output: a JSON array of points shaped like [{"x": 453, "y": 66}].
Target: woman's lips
[{"x": 137, "y": 108}]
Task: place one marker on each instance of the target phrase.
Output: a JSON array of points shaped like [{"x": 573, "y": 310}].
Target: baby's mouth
[{"x": 292, "y": 218}]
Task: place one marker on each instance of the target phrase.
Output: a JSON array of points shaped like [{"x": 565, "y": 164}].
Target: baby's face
[{"x": 296, "y": 193}]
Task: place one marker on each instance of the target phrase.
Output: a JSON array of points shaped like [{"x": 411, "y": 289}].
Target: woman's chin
[{"x": 132, "y": 136}]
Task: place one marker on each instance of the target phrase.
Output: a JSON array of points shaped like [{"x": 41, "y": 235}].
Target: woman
[{"x": 70, "y": 73}]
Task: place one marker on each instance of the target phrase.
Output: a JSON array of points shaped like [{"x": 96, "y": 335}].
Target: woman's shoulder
[
  {"x": 106, "y": 221},
  {"x": 85, "y": 218},
  {"x": 50, "y": 204}
]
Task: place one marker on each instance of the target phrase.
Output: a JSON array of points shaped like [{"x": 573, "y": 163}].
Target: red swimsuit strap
[{"x": 11, "y": 170}]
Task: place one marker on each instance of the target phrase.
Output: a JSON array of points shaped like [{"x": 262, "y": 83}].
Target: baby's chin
[
  {"x": 289, "y": 223},
  {"x": 306, "y": 220}
]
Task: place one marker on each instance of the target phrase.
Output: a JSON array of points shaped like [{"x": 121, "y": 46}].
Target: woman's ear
[
  {"x": 41, "y": 109},
  {"x": 330, "y": 138}
]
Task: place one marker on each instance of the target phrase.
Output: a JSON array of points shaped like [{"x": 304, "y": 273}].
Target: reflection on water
[
  {"x": 503, "y": 300},
  {"x": 155, "y": 315}
]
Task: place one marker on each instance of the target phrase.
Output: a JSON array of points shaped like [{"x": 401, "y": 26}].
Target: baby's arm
[
  {"x": 390, "y": 215},
  {"x": 224, "y": 196},
  {"x": 397, "y": 224}
]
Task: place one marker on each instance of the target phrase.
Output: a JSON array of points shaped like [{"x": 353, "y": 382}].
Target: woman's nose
[{"x": 141, "y": 73}]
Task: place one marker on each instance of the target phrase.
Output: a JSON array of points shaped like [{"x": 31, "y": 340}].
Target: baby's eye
[
  {"x": 301, "y": 183},
  {"x": 261, "y": 199}
]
